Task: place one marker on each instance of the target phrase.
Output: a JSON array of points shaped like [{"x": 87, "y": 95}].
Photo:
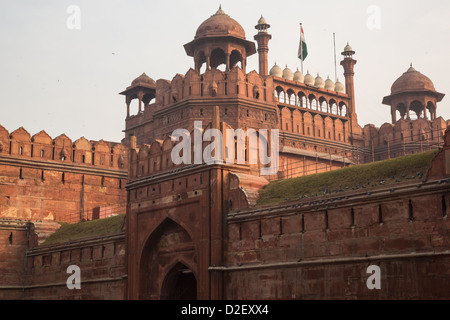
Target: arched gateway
[{"x": 167, "y": 264}]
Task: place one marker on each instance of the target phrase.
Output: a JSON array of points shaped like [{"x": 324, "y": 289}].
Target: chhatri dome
[
  {"x": 143, "y": 79},
  {"x": 220, "y": 40},
  {"x": 412, "y": 93},
  {"x": 412, "y": 80},
  {"x": 220, "y": 24}
]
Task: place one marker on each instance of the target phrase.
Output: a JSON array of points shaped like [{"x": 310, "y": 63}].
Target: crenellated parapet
[
  {"x": 42, "y": 147},
  {"x": 243, "y": 99},
  {"x": 403, "y": 137},
  {"x": 47, "y": 179}
]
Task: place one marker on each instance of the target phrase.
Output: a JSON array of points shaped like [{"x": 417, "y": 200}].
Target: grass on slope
[
  {"x": 360, "y": 177},
  {"x": 71, "y": 232}
]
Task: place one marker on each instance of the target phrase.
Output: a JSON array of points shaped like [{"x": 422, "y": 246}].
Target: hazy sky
[{"x": 61, "y": 80}]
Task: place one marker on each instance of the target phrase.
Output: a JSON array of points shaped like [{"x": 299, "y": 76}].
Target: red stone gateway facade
[{"x": 192, "y": 231}]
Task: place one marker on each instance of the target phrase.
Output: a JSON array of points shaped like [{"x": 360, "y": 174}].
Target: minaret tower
[
  {"x": 262, "y": 38},
  {"x": 349, "y": 63}
]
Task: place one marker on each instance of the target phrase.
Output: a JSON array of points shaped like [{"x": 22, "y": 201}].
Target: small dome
[
  {"x": 143, "y": 78},
  {"x": 220, "y": 24},
  {"x": 412, "y": 80},
  {"x": 319, "y": 83},
  {"x": 276, "y": 71},
  {"x": 348, "y": 48},
  {"x": 339, "y": 87},
  {"x": 309, "y": 79},
  {"x": 329, "y": 84},
  {"x": 262, "y": 20},
  {"x": 299, "y": 77},
  {"x": 288, "y": 74}
]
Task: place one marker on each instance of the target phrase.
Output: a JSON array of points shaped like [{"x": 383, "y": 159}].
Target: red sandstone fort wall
[
  {"x": 54, "y": 179},
  {"x": 304, "y": 253},
  {"x": 101, "y": 260},
  {"x": 13, "y": 242}
]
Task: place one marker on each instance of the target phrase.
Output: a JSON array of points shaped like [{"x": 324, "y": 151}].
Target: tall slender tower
[
  {"x": 262, "y": 38},
  {"x": 349, "y": 63}
]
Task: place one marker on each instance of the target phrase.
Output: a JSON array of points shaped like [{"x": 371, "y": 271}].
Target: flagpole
[
  {"x": 301, "y": 46},
  {"x": 335, "y": 63}
]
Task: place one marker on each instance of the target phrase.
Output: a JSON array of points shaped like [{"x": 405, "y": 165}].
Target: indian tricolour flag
[{"x": 303, "y": 48}]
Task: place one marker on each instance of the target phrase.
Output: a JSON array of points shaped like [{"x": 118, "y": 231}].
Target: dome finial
[
  {"x": 220, "y": 11},
  {"x": 411, "y": 68}
]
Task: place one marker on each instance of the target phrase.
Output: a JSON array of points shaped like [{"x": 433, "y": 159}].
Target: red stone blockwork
[
  {"x": 169, "y": 224},
  {"x": 51, "y": 179},
  {"x": 401, "y": 279},
  {"x": 13, "y": 241},
  {"x": 101, "y": 260},
  {"x": 246, "y": 100},
  {"x": 298, "y": 248},
  {"x": 42, "y": 147}
]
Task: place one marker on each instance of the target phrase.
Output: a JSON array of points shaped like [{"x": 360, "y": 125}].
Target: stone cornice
[
  {"x": 62, "y": 167},
  {"x": 77, "y": 244},
  {"x": 341, "y": 200},
  {"x": 6, "y": 224},
  {"x": 181, "y": 172}
]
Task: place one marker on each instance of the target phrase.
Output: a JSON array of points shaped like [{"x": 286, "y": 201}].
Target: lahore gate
[{"x": 202, "y": 230}]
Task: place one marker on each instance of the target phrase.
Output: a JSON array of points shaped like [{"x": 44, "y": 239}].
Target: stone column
[
  {"x": 128, "y": 101},
  {"x": 208, "y": 62},
  {"x": 140, "y": 96},
  {"x": 425, "y": 112},
  {"x": 394, "y": 115}
]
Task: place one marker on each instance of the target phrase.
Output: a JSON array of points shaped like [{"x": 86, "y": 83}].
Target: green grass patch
[
  {"x": 72, "y": 232},
  {"x": 361, "y": 177}
]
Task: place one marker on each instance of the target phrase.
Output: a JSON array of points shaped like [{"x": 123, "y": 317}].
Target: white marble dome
[
  {"x": 329, "y": 84},
  {"x": 309, "y": 79},
  {"x": 318, "y": 82},
  {"x": 276, "y": 71},
  {"x": 288, "y": 74},
  {"x": 339, "y": 87},
  {"x": 299, "y": 77}
]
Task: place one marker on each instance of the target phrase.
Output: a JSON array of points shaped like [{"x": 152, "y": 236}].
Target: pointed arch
[
  {"x": 235, "y": 59},
  {"x": 312, "y": 102},
  {"x": 165, "y": 252},
  {"x": 291, "y": 97},
  {"x": 180, "y": 283},
  {"x": 302, "y": 102}
]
